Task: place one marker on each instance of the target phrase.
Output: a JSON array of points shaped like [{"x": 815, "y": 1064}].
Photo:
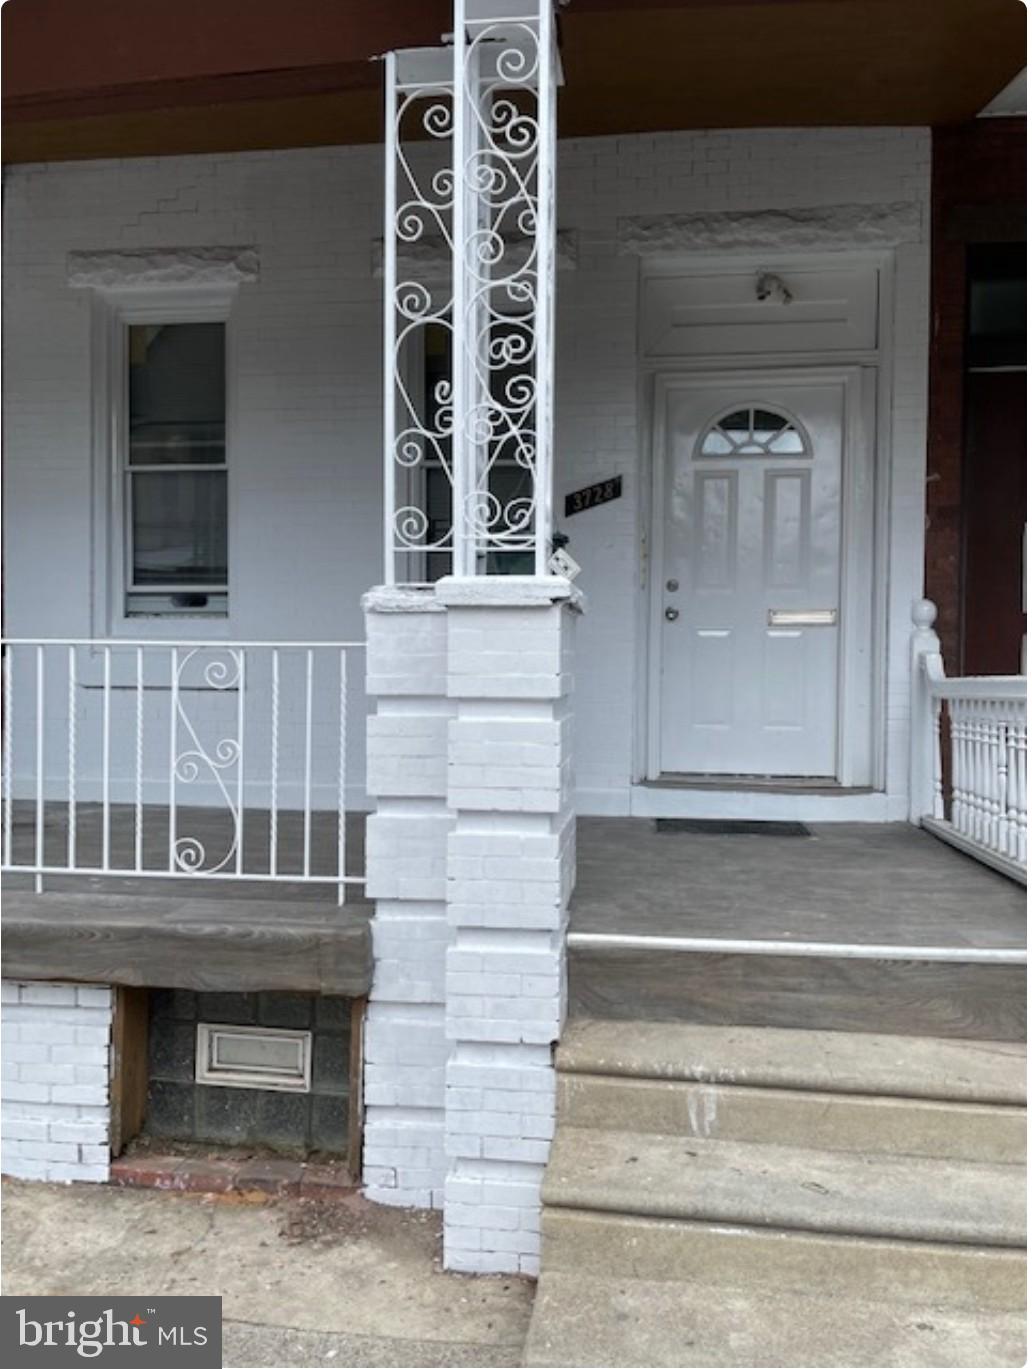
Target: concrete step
[
  {"x": 585, "y": 1319},
  {"x": 787, "y": 1187},
  {"x": 779, "y": 1261},
  {"x": 969, "y": 1071},
  {"x": 792, "y": 1117}
]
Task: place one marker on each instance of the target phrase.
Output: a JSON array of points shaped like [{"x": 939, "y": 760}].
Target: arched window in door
[{"x": 754, "y": 431}]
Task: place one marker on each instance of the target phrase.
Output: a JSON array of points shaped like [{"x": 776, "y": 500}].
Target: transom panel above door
[
  {"x": 747, "y": 589},
  {"x": 743, "y": 309}
]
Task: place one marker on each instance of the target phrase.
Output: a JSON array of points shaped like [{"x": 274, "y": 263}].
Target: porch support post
[
  {"x": 505, "y": 72},
  {"x": 925, "y": 738},
  {"x": 405, "y": 1045},
  {"x": 510, "y": 873}
]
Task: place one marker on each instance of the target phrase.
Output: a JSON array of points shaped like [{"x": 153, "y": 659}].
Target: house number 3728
[{"x": 600, "y": 493}]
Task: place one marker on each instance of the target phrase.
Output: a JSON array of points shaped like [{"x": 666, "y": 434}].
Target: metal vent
[{"x": 254, "y": 1057}]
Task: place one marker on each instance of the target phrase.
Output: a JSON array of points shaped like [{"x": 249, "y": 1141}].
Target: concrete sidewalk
[{"x": 302, "y": 1283}]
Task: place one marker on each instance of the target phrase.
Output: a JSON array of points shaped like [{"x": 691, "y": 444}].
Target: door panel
[
  {"x": 752, "y": 523},
  {"x": 787, "y": 529}
]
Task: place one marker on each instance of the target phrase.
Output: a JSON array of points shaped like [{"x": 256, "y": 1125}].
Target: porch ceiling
[{"x": 115, "y": 78}]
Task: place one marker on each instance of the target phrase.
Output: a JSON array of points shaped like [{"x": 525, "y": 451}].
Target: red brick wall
[{"x": 978, "y": 195}]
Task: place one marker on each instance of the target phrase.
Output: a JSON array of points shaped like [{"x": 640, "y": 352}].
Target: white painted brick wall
[
  {"x": 55, "y": 1048},
  {"x": 307, "y": 436},
  {"x": 406, "y": 1048},
  {"x": 510, "y": 872}
]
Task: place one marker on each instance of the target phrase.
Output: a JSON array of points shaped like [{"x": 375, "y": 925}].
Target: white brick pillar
[
  {"x": 56, "y": 1114},
  {"x": 405, "y": 1046},
  {"x": 510, "y": 875}
]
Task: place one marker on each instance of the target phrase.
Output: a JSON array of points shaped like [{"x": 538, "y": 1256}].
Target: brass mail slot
[{"x": 802, "y": 617}]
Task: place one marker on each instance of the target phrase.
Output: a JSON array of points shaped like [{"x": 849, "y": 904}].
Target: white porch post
[
  {"x": 511, "y": 850},
  {"x": 925, "y": 795},
  {"x": 510, "y": 872},
  {"x": 405, "y": 1047},
  {"x": 471, "y": 849},
  {"x": 487, "y": 430},
  {"x": 503, "y": 284}
]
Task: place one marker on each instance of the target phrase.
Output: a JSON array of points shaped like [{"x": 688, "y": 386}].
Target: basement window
[
  {"x": 254, "y": 1057},
  {"x": 174, "y": 470}
]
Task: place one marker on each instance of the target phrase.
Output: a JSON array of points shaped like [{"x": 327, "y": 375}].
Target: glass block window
[{"x": 753, "y": 431}]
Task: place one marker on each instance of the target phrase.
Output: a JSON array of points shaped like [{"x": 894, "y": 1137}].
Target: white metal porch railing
[
  {"x": 969, "y": 762},
  {"x": 190, "y": 760}
]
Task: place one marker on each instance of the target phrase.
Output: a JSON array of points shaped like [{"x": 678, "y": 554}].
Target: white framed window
[
  {"x": 162, "y": 443},
  {"x": 174, "y": 470}
]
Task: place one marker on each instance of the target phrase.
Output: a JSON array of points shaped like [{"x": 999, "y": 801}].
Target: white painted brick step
[
  {"x": 822, "y": 1061},
  {"x": 787, "y": 1187},
  {"x": 584, "y": 1319}
]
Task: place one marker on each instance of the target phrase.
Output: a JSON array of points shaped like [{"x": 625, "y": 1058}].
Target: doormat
[{"x": 726, "y": 827}]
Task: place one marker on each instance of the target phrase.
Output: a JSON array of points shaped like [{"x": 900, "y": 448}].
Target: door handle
[{"x": 671, "y": 615}]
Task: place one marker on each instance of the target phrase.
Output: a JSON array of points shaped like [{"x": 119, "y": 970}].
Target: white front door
[{"x": 747, "y": 592}]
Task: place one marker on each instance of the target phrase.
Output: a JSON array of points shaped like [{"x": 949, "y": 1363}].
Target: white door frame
[{"x": 855, "y": 765}]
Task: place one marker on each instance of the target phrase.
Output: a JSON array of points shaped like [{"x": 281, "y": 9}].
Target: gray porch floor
[
  {"x": 846, "y": 882},
  {"x": 843, "y": 885},
  {"x": 884, "y": 884}
]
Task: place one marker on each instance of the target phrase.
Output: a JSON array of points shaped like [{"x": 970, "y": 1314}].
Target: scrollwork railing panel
[
  {"x": 419, "y": 418},
  {"x": 476, "y": 431},
  {"x": 191, "y": 760}
]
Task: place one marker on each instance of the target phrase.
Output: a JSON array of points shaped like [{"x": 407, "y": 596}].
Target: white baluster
[
  {"x": 938, "y": 809},
  {"x": 342, "y": 752},
  {"x": 138, "y": 813},
  {"x": 105, "y": 836},
  {"x": 241, "y": 659},
  {"x": 173, "y": 709},
  {"x": 1000, "y": 822},
  {"x": 40, "y": 855},
  {"x": 967, "y": 768},
  {"x": 957, "y": 792},
  {"x": 306, "y": 868},
  {"x": 72, "y": 757},
  {"x": 1019, "y": 793},
  {"x": 274, "y": 766},
  {"x": 8, "y": 753},
  {"x": 978, "y": 784}
]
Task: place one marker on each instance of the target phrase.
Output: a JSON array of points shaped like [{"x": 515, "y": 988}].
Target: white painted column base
[
  {"x": 405, "y": 1046},
  {"x": 56, "y": 1112},
  {"x": 510, "y": 874}
]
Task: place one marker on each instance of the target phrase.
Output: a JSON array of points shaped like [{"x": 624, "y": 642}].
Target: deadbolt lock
[{"x": 673, "y": 586}]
